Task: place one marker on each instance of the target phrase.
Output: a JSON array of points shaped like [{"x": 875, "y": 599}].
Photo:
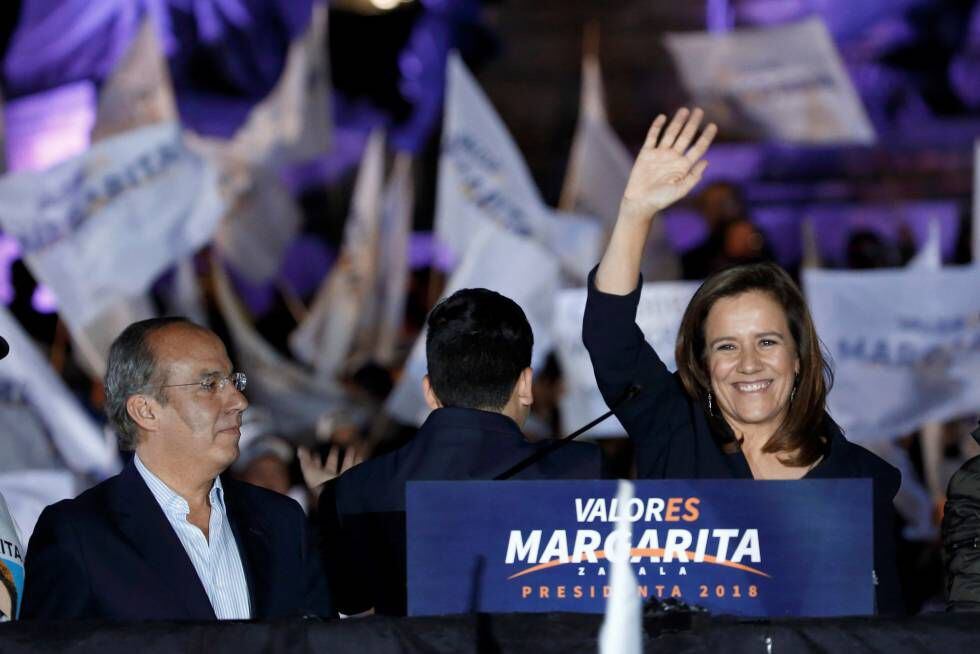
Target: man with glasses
[{"x": 167, "y": 538}]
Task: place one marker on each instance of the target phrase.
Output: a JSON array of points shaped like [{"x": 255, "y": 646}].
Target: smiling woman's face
[{"x": 752, "y": 362}]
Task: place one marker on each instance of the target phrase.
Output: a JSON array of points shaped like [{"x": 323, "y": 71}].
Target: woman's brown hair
[{"x": 801, "y": 433}]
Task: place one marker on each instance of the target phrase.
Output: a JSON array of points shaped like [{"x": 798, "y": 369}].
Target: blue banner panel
[{"x": 743, "y": 547}]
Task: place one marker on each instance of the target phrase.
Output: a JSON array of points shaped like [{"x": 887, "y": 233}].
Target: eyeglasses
[{"x": 215, "y": 385}]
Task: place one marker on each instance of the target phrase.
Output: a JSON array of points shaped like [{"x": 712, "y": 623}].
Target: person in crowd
[
  {"x": 961, "y": 538},
  {"x": 479, "y": 387},
  {"x": 732, "y": 238},
  {"x": 748, "y": 398},
  {"x": 168, "y": 538}
]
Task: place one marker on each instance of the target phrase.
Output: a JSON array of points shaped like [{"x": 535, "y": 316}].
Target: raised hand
[
  {"x": 668, "y": 166},
  {"x": 317, "y": 470}
]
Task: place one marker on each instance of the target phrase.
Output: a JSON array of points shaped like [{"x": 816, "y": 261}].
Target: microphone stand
[{"x": 565, "y": 440}]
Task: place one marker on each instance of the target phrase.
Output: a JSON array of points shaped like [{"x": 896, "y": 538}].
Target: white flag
[
  {"x": 186, "y": 297},
  {"x": 905, "y": 344},
  {"x": 500, "y": 261},
  {"x": 976, "y": 202},
  {"x": 293, "y": 120},
  {"x": 102, "y": 226},
  {"x": 784, "y": 83},
  {"x": 598, "y": 169},
  {"x": 333, "y": 327},
  {"x": 483, "y": 179},
  {"x": 33, "y": 393},
  {"x": 263, "y": 219},
  {"x": 659, "y": 314},
  {"x": 91, "y": 343},
  {"x": 295, "y": 399},
  {"x": 398, "y": 204},
  {"x": 11, "y": 566},
  {"x": 622, "y": 626},
  {"x": 930, "y": 255},
  {"x": 138, "y": 92}
]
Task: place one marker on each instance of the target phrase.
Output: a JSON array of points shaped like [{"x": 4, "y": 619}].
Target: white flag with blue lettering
[
  {"x": 905, "y": 346},
  {"x": 784, "y": 83},
  {"x": 483, "y": 179},
  {"x": 102, "y": 226}
]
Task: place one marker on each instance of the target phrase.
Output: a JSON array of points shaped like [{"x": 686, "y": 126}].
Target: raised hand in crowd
[
  {"x": 318, "y": 469},
  {"x": 668, "y": 166}
]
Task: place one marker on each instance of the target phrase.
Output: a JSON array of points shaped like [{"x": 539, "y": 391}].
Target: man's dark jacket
[
  {"x": 111, "y": 554},
  {"x": 362, "y": 512},
  {"x": 961, "y": 538}
]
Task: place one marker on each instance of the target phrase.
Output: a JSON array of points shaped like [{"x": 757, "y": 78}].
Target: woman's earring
[{"x": 711, "y": 410}]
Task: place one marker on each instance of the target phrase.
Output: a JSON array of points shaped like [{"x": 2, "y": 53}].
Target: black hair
[{"x": 477, "y": 345}]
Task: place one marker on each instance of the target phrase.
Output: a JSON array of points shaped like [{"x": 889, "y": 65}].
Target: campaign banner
[
  {"x": 783, "y": 83},
  {"x": 662, "y": 305},
  {"x": 740, "y": 547},
  {"x": 102, "y": 226},
  {"x": 905, "y": 345},
  {"x": 11, "y": 566}
]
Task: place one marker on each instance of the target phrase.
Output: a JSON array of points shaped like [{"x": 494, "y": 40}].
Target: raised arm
[{"x": 666, "y": 169}]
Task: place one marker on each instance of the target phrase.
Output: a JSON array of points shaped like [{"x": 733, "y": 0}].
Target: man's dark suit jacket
[
  {"x": 111, "y": 554},
  {"x": 362, "y": 513}
]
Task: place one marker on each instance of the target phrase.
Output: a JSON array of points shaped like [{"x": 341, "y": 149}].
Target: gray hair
[{"x": 130, "y": 369}]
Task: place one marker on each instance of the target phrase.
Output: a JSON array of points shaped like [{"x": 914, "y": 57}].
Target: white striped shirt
[{"x": 216, "y": 558}]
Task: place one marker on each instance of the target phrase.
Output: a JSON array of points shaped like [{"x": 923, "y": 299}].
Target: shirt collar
[{"x": 168, "y": 499}]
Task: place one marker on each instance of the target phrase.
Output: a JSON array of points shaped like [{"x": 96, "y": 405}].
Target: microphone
[
  {"x": 4, "y": 347},
  {"x": 565, "y": 440}
]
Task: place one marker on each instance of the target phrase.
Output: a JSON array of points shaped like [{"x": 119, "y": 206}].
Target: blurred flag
[
  {"x": 504, "y": 262},
  {"x": 784, "y": 83},
  {"x": 139, "y": 91},
  {"x": 398, "y": 204},
  {"x": 262, "y": 220},
  {"x": 293, "y": 121},
  {"x": 185, "y": 297},
  {"x": 483, "y": 179},
  {"x": 137, "y": 94},
  {"x": 930, "y": 255},
  {"x": 976, "y": 202},
  {"x": 91, "y": 343},
  {"x": 99, "y": 228},
  {"x": 599, "y": 167},
  {"x": 904, "y": 345},
  {"x": 295, "y": 398},
  {"x": 332, "y": 333},
  {"x": 32, "y": 392}
]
